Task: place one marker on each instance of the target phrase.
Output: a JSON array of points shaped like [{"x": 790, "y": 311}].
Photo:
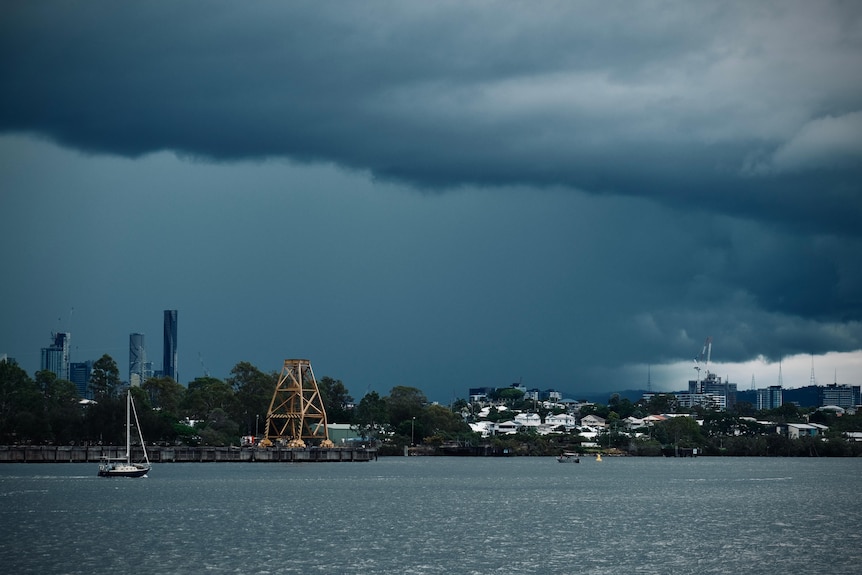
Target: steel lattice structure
[{"x": 296, "y": 413}]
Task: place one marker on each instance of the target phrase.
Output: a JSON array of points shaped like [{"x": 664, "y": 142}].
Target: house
[
  {"x": 529, "y": 419},
  {"x": 564, "y": 419},
  {"x": 593, "y": 421},
  {"x": 507, "y": 428},
  {"x": 797, "y": 430}
]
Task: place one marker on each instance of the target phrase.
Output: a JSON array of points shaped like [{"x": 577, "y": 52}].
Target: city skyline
[{"x": 791, "y": 373}]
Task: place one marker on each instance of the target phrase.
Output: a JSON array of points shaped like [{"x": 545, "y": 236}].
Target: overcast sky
[{"x": 573, "y": 195}]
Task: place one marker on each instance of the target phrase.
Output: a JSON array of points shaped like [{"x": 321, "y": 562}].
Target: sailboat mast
[{"x": 128, "y": 426}]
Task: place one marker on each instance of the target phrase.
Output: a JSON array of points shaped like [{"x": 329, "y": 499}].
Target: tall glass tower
[
  {"x": 56, "y": 357},
  {"x": 79, "y": 374},
  {"x": 137, "y": 359},
  {"x": 170, "y": 357}
]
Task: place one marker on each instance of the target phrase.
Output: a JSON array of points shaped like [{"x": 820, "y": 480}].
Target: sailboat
[{"x": 123, "y": 466}]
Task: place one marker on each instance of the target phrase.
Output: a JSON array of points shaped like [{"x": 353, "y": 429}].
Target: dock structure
[
  {"x": 296, "y": 415},
  {"x": 92, "y": 454}
]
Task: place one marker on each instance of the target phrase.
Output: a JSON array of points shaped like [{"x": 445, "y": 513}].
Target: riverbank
[{"x": 92, "y": 454}]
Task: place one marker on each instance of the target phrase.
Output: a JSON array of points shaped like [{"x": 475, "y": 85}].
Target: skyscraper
[
  {"x": 79, "y": 374},
  {"x": 137, "y": 359},
  {"x": 56, "y": 357},
  {"x": 770, "y": 398},
  {"x": 170, "y": 357}
]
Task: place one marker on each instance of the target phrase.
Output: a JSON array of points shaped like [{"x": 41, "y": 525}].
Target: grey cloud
[{"x": 669, "y": 100}]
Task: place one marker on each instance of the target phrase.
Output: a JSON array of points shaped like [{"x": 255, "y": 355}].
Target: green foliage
[
  {"x": 20, "y": 405},
  {"x": 508, "y": 394},
  {"x": 622, "y": 407},
  {"x": 253, "y": 390},
  {"x": 371, "y": 414},
  {"x": 206, "y": 394},
  {"x": 404, "y": 403},
  {"x": 47, "y": 409},
  {"x": 335, "y": 399},
  {"x": 787, "y": 413},
  {"x": 680, "y": 431},
  {"x": 219, "y": 429},
  {"x": 105, "y": 378},
  {"x": 661, "y": 403},
  {"x": 441, "y": 421},
  {"x": 164, "y": 393}
]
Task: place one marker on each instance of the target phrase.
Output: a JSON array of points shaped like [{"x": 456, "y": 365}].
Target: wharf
[{"x": 92, "y": 454}]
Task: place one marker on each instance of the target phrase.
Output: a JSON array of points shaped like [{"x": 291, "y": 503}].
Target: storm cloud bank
[
  {"x": 727, "y": 135},
  {"x": 751, "y": 109}
]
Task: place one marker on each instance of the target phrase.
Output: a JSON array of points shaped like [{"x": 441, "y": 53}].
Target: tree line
[{"x": 209, "y": 411}]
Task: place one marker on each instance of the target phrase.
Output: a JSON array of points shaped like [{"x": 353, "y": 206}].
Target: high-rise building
[
  {"x": 170, "y": 357},
  {"x": 770, "y": 398},
  {"x": 79, "y": 374},
  {"x": 841, "y": 395},
  {"x": 713, "y": 385},
  {"x": 137, "y": 359},
  {"x": 56, "y": 357}
]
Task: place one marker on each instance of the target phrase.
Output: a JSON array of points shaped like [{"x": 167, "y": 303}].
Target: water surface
[{"x": 437, "y": 515}]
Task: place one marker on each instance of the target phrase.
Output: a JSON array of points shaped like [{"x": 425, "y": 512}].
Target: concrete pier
[{"x": 92, "y": 454}]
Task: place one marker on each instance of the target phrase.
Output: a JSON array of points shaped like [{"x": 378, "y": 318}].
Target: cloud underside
[{"x": 726, "y": 108}]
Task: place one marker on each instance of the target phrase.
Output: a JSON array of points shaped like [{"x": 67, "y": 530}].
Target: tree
[
  {"x": 219, "y": 429},
  {"x": 661, "y": 403},
  {"x": 404, "y": 403},
  {"x": 719, "y": 423},
  {"x": 439, "y": 420},
  {"x": 335, "y": 398},
  {"x": 681, "y": 431},
  {"x": 253, "y": 390},
  {"x": 623, "y": 407},
  {"x": 370, "y": 415},
  {"x": 62, "y": 415},
  {"x": 20, "y": 399},
  {"x": 105, "y": 378},
  {"x": 206, "y": 394},
  {"x": 787, "y": 413},
  {"x": 164, "y": 394},
  {"x": 509, "y": 394}
]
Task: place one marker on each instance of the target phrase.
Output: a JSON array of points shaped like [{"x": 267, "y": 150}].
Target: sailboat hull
[{"x": 123, "y": 470}]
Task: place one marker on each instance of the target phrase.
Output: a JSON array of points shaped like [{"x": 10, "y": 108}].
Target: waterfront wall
[{"x": 92, "y": 454}]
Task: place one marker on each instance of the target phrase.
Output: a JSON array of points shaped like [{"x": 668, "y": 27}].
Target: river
[{"x": 429, "y": 515}]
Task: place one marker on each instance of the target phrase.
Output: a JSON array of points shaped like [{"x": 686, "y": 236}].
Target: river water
[{"x": 429, "y": 515}]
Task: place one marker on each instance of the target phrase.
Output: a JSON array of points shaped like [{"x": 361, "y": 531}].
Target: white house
[
  {"x": 593, "y": 421},
  {"x": 564, "y": 419},
  {"x": 797, "y": 430}
]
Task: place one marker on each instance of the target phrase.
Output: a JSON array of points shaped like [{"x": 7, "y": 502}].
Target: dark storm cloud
[
  {"x": 738, "y": 108},
  {"x": 718, "y": 144}
]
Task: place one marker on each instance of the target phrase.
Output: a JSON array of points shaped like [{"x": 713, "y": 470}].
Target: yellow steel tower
[{"x": 296, "y": 414}]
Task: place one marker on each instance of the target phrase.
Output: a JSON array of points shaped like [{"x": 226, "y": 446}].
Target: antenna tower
[{"x": 812, "y": 381}]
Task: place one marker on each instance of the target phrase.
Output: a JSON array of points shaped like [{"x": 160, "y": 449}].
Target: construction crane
[
  {"x": 705, "y": 354},
  {"x": 201, "y": 359}
]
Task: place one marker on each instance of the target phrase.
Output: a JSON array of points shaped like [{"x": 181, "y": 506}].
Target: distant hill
[
  {"x": 633, "y": 395},
  {"x": 808, "y": 396}
]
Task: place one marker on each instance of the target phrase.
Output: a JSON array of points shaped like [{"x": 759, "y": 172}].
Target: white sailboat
[{"x": 123, "y": 466}]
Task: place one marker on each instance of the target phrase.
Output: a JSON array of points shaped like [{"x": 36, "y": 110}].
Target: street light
[
  {"x": 412, "y": 424},
  {"x": 256, "y": 422}
]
